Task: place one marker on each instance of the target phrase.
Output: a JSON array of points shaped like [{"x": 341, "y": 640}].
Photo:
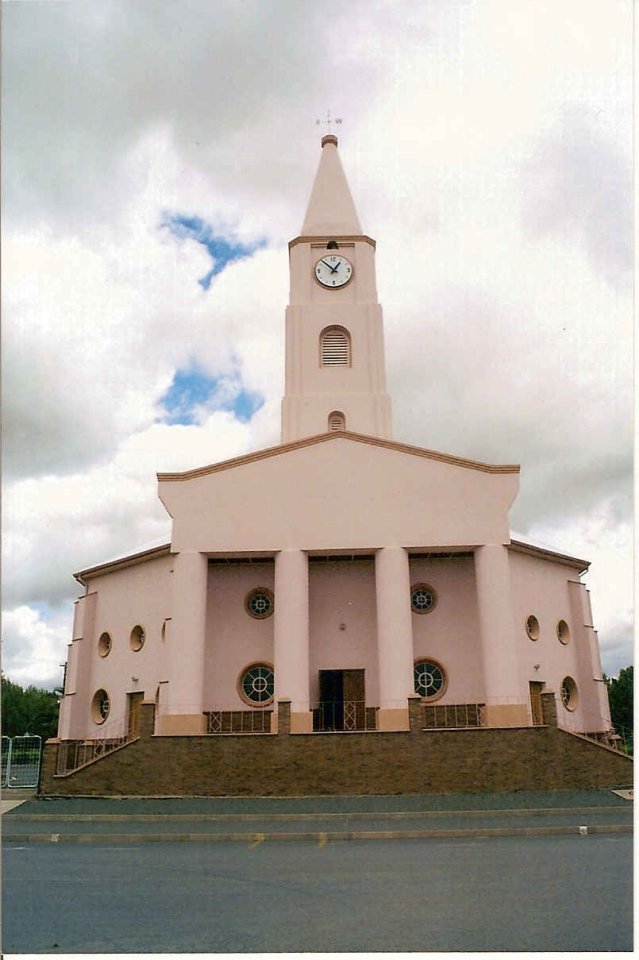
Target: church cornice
[
  {"x": 326, "y": 239},
  {"x": 508, "y": 468},
  {"x": 518, "y": 547},
  {"x": 141, "y": 556}
]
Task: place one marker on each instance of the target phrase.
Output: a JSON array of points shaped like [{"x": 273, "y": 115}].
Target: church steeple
[
  {"x": 331, "y": 208},
  {"x": 335, "y": 371}
]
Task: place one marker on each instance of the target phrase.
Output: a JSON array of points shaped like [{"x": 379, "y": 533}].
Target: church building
[{"x": 342, "y": 598}]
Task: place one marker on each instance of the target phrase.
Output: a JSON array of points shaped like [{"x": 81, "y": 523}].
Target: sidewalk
[
  {"x": 320, "y": 819},
  {"x": 15, "y": 798}
]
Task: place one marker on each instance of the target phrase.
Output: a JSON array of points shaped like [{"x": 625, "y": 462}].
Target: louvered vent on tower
[
  {"x": 336, "y": 421},
  {"x": 335, "y": 347}
]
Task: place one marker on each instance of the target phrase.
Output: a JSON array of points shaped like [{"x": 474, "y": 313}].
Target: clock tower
[{"x": 335, "y": 373}]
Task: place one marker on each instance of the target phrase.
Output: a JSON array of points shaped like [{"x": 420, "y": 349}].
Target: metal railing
[
  {"x": 615, "y": 738},
  {"x": 339, "y": 716},
  {"x": 21, "y": 758},
  {"x": 238, "y": 721},
  {"x": 449, "y": 716},
  {"x": 73, "y": 754}
]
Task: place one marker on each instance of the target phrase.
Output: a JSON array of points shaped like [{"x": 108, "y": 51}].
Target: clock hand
[{"x": 332, "y": 269}]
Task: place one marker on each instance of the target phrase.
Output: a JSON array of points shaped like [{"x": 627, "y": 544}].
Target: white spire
[{"x": 331, "y": 211}]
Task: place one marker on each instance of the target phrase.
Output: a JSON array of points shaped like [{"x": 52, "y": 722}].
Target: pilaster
[
  {"x": 394, "y": 637},
  {"x": 290, "y": 637},
  {"x": 506, "y": 705},
  {"x": 185, "y": 645}
]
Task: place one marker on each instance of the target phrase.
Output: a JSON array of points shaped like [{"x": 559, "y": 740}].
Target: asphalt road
[{"x": 515, "y": 894}]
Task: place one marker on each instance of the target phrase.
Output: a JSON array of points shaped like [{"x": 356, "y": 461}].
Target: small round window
[
  {"x": 104, "y": 644},
  {"x": 430, "y": 679},
  {"x": 259, "y": 603},
  {"x": 532, "y": 627},
  {"x": 257, "y": 685},
  {"x": 138, "y": 636},
  {"x": 100, "y": 706},
  {"x": 569, "y": 693},
  {"x": 422, "y": 598},
  {"x": 563, "y": 632}
]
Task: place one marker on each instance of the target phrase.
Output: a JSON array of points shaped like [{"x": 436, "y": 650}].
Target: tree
[
  {"x": 620, "y": 696},
  {"x": 30, "y": 711}
]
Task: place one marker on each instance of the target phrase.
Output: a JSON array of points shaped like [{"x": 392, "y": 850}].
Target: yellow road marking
[{"x": 322, "y": 839}]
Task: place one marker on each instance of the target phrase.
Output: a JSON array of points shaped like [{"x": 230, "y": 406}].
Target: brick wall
[{"x": 446, "y": 761}]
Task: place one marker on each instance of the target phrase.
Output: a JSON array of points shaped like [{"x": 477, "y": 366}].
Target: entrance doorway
[
  {"x": 342, "y": 701},
  {"x": 535, "y": 687},
  {"x": 134, "y": 701}
]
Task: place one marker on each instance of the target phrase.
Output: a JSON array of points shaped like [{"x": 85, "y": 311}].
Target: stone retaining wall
[{"x": 283, "y": 764}]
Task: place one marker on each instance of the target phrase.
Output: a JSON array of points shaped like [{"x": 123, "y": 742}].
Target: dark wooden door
[
  {"x": 331, "y": 699},
  {"x": 535, "y": 687},
  {"x": 133, "y": 708},
  {"x": 342, "y": 696}
]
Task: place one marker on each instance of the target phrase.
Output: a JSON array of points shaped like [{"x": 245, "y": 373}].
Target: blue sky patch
[
  {"x": 222, "y": 250},
  {"x": 194, "y": 394}
]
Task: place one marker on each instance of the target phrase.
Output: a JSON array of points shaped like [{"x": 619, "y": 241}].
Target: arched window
[
  {"x": 336, "y": 421},
  {"x": 335, "y": 347}
]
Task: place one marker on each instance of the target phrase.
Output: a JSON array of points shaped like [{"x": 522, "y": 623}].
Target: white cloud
[{"x": 34, "y": 645}]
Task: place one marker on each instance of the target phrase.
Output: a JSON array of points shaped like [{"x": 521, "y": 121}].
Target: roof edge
[
  {"x": 128, "y": 561},
  {"x": 325, "y": 238},
  {"x": 519, "y": 547},
  {"x": 333, "y": 435}
]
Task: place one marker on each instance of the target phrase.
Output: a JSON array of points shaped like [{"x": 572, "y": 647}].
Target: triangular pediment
[{"x": 284, "y": 448}]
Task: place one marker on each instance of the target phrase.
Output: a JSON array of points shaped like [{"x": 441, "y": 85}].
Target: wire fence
[{"x": 21, "y": 758}]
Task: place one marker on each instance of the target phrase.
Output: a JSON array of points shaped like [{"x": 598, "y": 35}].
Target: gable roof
[
  {"x": 149, "y": 551},
  {"x": 522, "y": 544},
  {"x": 283, "y": 448}
]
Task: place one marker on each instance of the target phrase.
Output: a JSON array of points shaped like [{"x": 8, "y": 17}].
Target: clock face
[{"x": 333, "y": 270}]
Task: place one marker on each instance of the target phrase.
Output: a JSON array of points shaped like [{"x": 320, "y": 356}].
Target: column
[
  {"x": 290, "y": 637},
  {"x": 506, "y": 703},
  {"x": 394, "y": 637},
  {"x": 593, "y": 710},
  {"x": 185, "y": 645}
]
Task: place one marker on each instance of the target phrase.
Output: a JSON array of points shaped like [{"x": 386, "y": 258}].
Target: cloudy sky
[{"x": 158, "y": 156}]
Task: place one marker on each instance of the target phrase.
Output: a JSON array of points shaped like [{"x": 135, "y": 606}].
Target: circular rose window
[
  {"x": 104, "y": 644},
  {"x": 422, "y": 598},
  {"x": 100, "y": 706},
  {"x": 563, "y": 632},
  {"x": 257, "y": 684},
  {"x": 569, "y": 693},
  {"x": 532, "y": 627},
  {"x": 137, "y": 638},
  {"x": 430, "y": 679},
  {"x": 259, "y": 603}
]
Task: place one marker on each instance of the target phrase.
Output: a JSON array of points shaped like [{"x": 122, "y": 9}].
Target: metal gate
[{"x": 21, "y": 761}]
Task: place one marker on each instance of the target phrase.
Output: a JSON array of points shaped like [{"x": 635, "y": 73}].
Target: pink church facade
[{"x": 341, "y": 572}]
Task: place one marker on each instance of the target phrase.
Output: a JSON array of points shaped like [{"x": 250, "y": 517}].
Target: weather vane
[{"x": 328, "y": 121}]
